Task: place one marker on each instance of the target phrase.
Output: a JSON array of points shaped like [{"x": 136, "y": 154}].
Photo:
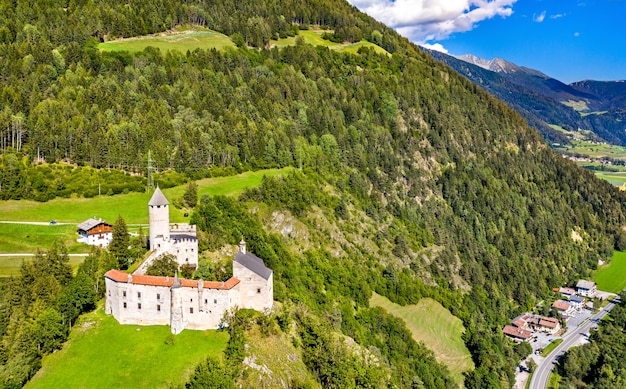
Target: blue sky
[{"x": 570, "y": 40}]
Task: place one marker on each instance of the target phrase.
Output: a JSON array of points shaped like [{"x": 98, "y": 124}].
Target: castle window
[
  {"x": 190, "y": 310},
  {"x": 258, "y": 290},
  {"x": 191, "y": 300},
  {"x": 205, "y": 301},
  {"x": 124, "y": 294},
  {"x": 138, "y": 305},
  {"x": 109, "y": 293},
  {"x": 158, "y": 296},
  {"x": 124, "y": 305},
  {"x": 138, "y": 295},
  {"x": 214, "y": 301},
  {"x": 158, "y": 308}
]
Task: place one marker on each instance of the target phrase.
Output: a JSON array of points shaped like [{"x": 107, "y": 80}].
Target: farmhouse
[
  {"x": 181, "y": 303},
  {"x": 95, "y": 232},
  {"x": 586, "y": 288}
]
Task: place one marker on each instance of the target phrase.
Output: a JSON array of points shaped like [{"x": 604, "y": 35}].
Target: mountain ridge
[{"x": 545, "y": 101}]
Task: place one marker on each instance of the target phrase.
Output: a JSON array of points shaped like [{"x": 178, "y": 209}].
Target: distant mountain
[{"x": 596, "y": 106}]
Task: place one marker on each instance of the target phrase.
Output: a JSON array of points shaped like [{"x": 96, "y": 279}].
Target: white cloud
[
  {"x": 539, "y": 18},
  {"x": 427, "y": 20},
  {"x": 557, "y": 16},
  {"x": 577, "y": 34},
  {"x": 436, "y": 47}
]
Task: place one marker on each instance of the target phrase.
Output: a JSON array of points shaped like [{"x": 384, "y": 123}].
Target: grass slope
[
  {"x": 133, "y": 206},
  {"x": 314, "y": 37},
  {"x": 26, "y": 238},
  {"x": 10, "y": 266},
  {"x": 104, "y": 354},
  {"x": 441, "y": 332},
  {"x": 612, "y": 277},
  {"x": 181, "y": 39}
]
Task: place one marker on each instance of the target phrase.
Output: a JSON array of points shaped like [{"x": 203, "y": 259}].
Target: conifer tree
[
  {"x": 120, "y": 242},
  {"x": 191, "y": 195}
]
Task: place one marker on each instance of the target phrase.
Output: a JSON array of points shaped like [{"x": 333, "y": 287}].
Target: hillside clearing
[
  {"x": 104, "y": 354},
  {"x": 437, "y": 328},
  {"x": 180, "y": 39}
]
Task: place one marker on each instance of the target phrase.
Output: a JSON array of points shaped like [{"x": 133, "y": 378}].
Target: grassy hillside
[
  {"x": 180, "y": 39},
  {"x": 612, "y": 277},
  {"x": 27, "y": 238},
  {"x": 314, "y": 37},
  {"x": 441, "y": 332},
  {"x": 101, "y": 353},
  {"x": 133, "y": 206}
]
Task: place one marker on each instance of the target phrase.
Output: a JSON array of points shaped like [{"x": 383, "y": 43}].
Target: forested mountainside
[
  {"x": 413, "y": 182},
  {"x": 540, "y": 99}
]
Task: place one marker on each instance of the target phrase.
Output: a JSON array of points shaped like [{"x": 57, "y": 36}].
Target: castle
[{"x": 181, "y": 303}]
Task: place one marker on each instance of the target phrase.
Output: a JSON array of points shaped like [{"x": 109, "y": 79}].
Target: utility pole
[{"x": 150, "y": 168}]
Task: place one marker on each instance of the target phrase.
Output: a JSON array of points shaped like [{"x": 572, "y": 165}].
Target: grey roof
[
  {"x": 584, "y": 284},
  {"x": 183, "y": 236},
  {"x": 90, "y": 223},
  {"x": 254, "y": 263},
  {"x": 158, "y": 198},
  {"x": 577, "y": 299}
]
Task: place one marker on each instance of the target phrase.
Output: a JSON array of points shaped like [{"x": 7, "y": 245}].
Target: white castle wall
[{"x": 255, "y": 291}]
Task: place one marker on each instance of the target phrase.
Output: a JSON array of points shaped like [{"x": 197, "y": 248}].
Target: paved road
[
  {"x": 571, "y": 338},
  {"x": 33, "y": 223}
]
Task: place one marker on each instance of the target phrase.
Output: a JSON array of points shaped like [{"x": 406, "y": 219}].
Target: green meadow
[
  {"x": 133, "y": 207},
  {"x": 441, "y": 332},
  {"x": 195, "y": 37},
  {"x": 592, "y": 150},
  {"x": 180, "y": 39},
  {"x": 101, "y": 353},
  {"x": 314, "y": 37},
  {"x": 612, "y": 277}
]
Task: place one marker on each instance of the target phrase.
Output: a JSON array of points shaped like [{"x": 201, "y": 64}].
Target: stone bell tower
[{"x": 159, "y": 213}]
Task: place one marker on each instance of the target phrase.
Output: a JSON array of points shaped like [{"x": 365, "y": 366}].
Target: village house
[
  {"x": 549, "y": 325},
  {"x": 577, "y": 302},
  {"x": 95, "y": 232},
  {"x": 563, "y": 307},
  {"x": 586, "y": 288},
  {"x": 531, "y": 322},
  {"x": 517, "y": 334},
  {"x": 567, "y": 291}
]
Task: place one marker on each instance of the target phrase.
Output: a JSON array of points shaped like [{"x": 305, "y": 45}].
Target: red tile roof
[
  {"x": 516, "y": 332},
  {"x": 561, "y": 305},
  {"x": 548, "y": 322},
  {"x": 120, "y": 276}
]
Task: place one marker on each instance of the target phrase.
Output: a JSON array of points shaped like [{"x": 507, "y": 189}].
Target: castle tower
[{"x": 159, "y": 213}]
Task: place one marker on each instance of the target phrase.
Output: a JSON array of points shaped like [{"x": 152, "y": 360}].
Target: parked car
[{"x": 53, "y": 222}]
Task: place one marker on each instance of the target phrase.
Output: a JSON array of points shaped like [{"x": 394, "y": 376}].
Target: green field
[
  {"x": 441, "y": 332},
  {"x": 101, "y": 353},
  {"x": 179, "y": 39},
  {"x": 612, "y": 277},
  {"x": 593, "y": 150},
  {"x": 191, "y": 38},
  {"x": 10, "y": 266},
  {"x": 26, "y": 238},
  {"x": 314, "y": 37}
]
